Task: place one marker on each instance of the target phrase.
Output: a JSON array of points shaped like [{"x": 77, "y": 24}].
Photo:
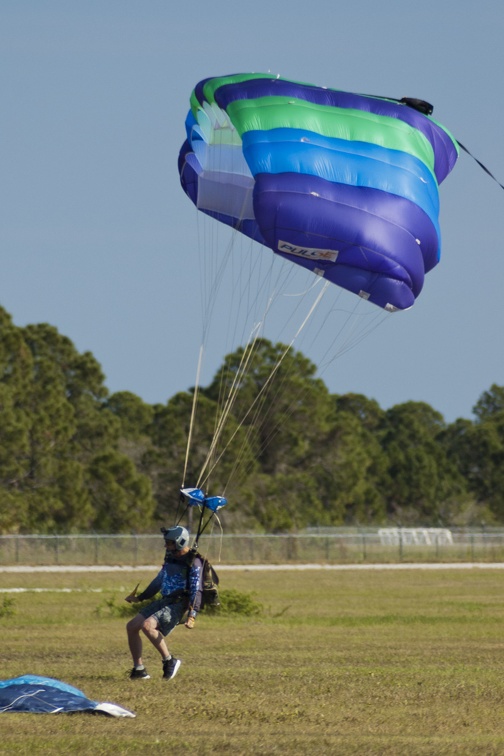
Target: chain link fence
[{"x": 339, "y": 546}]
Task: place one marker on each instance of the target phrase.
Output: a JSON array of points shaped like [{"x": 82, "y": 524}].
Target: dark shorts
[{"x": 168, "y": 615}]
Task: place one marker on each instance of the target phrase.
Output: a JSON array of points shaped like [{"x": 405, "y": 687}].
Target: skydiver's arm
[
  {"x": 195, "y": 586},
  {"x": 152, "y": 588}
]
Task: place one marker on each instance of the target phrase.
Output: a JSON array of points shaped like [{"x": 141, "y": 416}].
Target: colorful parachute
[
  {"x": 343, "y": 184},
  {"x": 45, "y": 695}
]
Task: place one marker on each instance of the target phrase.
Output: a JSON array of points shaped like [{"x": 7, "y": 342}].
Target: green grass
[{"x": 378, "y": 662}]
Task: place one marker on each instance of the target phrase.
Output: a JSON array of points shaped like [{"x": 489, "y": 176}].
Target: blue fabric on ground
[{"x": 45, "y": 695}]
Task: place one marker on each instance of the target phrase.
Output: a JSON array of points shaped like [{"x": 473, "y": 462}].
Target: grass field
[{"x": 355, "y": 662}]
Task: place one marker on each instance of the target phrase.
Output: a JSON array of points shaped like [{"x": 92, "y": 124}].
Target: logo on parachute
[{"x": 312, "y": 253}]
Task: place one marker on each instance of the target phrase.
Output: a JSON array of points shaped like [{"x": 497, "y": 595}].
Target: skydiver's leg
[
  {"x": 134, "y": 640},
  {"x": 150, "y": 628}
]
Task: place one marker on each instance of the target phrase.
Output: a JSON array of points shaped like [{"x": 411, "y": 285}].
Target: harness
[{"x": 210, "y": 580}]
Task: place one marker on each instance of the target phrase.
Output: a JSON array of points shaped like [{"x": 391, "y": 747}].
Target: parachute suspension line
[
  {"x": 212, "y": 276},
  {"x": 228, "y": 403},
  {"x": 268, "y": 381},
  {"x": 354, "y": 336},
  {"x": 294, "y": 400},
  {"x": 221, "y": 539},
  {"x": 260, "y": 397},
  {"x": 201, "y": 528},
  {"x": 221, "y": 417},
  {"x": 23, "y": 698},
  {"x": 302, "y": 300},
  {"x": 480, "y": 164},
  {"x": 245, "y": 359},
  {"x": 351, "y": 331},
  {"x": 243, "y": 297},
  {"x": 193, "y": 413},
  {"x": 209, "y": 297},
  {"x": 216, "y": 278},
  {"x": 209, "y": 294}
]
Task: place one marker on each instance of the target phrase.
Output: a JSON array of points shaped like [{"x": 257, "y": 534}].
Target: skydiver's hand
[
  {"x": 132, "y": 598},
  {"x": 189, "y": 623}
]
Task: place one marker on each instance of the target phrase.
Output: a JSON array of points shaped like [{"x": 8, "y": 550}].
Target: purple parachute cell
[{"x": 345, "y": 185}]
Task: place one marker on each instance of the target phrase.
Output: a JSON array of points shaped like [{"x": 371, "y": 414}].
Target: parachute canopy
[
  {"x": 343, "y": 184},
  {"x": 45, "y": 695}
]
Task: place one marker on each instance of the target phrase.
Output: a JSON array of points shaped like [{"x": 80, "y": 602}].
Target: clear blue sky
[{"x": 98, "y": 239}]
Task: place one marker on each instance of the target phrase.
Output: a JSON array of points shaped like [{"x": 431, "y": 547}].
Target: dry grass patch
[{"x": 338, "y": 662}]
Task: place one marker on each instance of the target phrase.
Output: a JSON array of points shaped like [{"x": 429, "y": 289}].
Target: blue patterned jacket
[{"x": 176, "y": 576}]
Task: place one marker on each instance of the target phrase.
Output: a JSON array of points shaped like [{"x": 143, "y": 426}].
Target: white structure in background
[{"x": 415, "y": 536}]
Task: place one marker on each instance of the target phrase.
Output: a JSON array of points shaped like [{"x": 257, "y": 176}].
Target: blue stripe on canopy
[{"x": 343, "y": 162}]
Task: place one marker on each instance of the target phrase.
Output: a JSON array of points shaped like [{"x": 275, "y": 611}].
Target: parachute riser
[
  {"x": 179, "y": 516},
  {"x": 201, "y": 527},
  {"x": 196, "y": 497}
]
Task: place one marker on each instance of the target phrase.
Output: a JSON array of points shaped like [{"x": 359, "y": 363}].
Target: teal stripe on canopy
[{"x": 343, "y": 162}]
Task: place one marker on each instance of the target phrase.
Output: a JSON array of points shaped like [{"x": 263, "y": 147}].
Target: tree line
[{"x": 76, "y": 458}]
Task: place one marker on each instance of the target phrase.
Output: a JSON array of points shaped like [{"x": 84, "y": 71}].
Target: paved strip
[
  {"x": 262, "y": 567},
  {"x": 51, "y": 590}
]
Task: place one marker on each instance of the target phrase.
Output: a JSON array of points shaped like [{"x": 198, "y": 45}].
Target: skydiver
[{"x": 180, "y": 583}]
